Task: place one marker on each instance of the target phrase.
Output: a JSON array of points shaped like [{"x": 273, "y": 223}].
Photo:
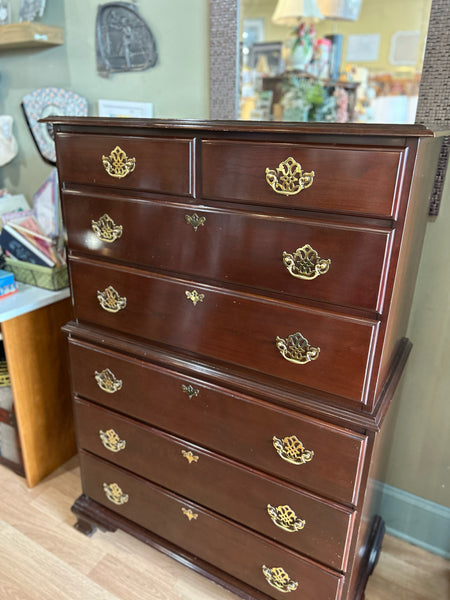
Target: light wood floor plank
[
  {"x": 37, "y": 574},
  {"x": 42, "y": 557}
]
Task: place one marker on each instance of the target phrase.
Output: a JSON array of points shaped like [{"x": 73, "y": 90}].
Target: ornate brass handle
[
  {"x": 289, "y": 178},
  {"x": 190, "y": 391},
  {"x": 285, "y": 518},
  {"x": 117, "y": 164},
  {"x": 107, "y": 381},
  {"x": 187, "y": 512},
  {"x": 110, "y": 300},
  {"x": 292, "y": 450},
  {"x": 194, "y": 296},
  {"x": 295, "y": 348},
  {"x": 111, "y": 440},
  {"x": 106, "y": 230},
  {"x": 279, "y": 579},
  {"x": 189, "y": 456},
  {"x": 115, "y": 494},
  {"x": 305, "y": 263},
  {"x": 195, "y": 221}
]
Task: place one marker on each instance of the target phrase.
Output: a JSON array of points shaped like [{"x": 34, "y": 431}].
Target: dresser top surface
[{"x": 338, "y": 129}]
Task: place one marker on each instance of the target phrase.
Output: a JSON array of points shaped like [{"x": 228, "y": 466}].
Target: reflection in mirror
[{"x": 332, "y": 60}]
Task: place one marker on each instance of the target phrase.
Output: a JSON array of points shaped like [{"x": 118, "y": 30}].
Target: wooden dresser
[{"x": 241, "y": 295}]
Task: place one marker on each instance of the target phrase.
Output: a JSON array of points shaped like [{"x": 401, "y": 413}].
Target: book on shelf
[
  {"x": 32, "y": 231},
  {"x": 17, "y": 246}
]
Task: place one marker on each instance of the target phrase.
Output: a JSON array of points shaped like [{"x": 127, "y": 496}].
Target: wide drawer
[
  {"x": 346, "y": 179},
  {"x": 315, "y": 348},
  {"x": 140, "y": 163},
  {"x": 226, "y": 545},
  {"x": 233, "y": 424},
  {"x": 233, "y": 246},
  {"x": 294, "y": 518}
]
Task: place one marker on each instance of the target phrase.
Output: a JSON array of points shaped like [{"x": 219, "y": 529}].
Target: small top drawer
[
  {"x": 141, "y": 163},
  {"x": 345, "y": 180}
]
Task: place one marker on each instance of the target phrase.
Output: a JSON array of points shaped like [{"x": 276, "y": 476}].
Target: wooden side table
[{"x": 36, "y": 354}]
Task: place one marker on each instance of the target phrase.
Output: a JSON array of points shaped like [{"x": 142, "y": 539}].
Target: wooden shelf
[{"x": 29, "y": 35}]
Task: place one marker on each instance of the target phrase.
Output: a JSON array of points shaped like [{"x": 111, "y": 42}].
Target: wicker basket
[{"x": 50, "y": 278}]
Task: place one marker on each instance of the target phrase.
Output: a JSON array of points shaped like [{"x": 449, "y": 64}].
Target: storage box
[
  {"x": 7, "y": 283},
  {"x": 50, "y": 278}
]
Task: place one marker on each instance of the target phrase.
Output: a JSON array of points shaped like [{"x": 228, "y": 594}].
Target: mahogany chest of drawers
[{"x": 241, "y": 296}]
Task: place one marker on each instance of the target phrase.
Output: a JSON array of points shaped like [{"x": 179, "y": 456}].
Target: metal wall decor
[
  {"x": 31, "y": 10},
  {"x": 124, "y": 41}
]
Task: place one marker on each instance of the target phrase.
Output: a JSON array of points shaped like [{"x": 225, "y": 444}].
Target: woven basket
[{"x": 50, "y": 278}]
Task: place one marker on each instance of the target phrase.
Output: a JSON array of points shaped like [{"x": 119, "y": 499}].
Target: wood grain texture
[
  {"x": 42, "y": 557},
  {"x": 29, "y": 35},
  {"x": 37, "y": 361}
]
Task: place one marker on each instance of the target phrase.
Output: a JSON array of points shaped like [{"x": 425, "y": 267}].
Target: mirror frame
[{"x": 433, "y": 109}]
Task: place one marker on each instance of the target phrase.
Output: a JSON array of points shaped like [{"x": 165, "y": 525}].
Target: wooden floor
[{"x": 42, "y": 557}]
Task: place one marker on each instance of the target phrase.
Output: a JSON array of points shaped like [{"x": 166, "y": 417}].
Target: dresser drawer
[
  {"x": 237, "y": 247},
  {"x": 313, "y": 527},
  {"x": 204, "y": 534},
  {"x": 233, "y": 424},
  {"x": 346, "y": 179},
  {"x": 82, "y": 159},
  {"x": 210, "y": 322}
]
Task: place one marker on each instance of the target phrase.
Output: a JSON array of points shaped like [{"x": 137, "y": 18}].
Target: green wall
[{"x": 177, "y": 86}]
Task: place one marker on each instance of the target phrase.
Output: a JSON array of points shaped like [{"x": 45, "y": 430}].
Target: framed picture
[
  {"x": 252, "y": 31},
  {"x": 266, "y": 57},
  {"x": 119, "y": 108}
]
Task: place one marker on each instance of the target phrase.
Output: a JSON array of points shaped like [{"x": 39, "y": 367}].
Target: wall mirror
[
  {"x": 226, "y": 48},
  {"x": 331, "y": 60}
]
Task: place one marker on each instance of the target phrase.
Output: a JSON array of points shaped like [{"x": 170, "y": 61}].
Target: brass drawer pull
[
  {"x": 187, "y": 512},
  {"x": 195, "y": 221},
  {"x": 117, "y": 164},
  {"x": 110, "y": 300},
  {"x": 289, "y": 178},
  {"x": 115, "y": 494},
  {"x": 305, "y": 263},
  {"x": 107, "y": 381},
  {"x": 279, "y": 579},
  {"x": 194, "y": 296},
  {"x": 111, "y": 440},
  {"x": 189, "y": 456},
  {"x": 106, "y": 230},
  {"x": 295, "y": 348},
  {"x": 190, "y": 391},
  {"x": 285, "y": 518},
  {"x": 292, "y": 450}
]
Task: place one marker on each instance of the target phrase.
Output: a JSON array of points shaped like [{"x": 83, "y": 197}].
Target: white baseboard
[{"x": 414, "y": 519}]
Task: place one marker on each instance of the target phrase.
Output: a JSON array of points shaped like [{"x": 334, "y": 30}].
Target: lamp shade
[
  {"x": 345, "y": 10},
  {"x": 289, "y": 12}
]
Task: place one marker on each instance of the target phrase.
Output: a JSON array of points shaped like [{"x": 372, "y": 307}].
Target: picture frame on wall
[
  {"x": 266, "y": 53},
  {"x": 125, "y": 109}
]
